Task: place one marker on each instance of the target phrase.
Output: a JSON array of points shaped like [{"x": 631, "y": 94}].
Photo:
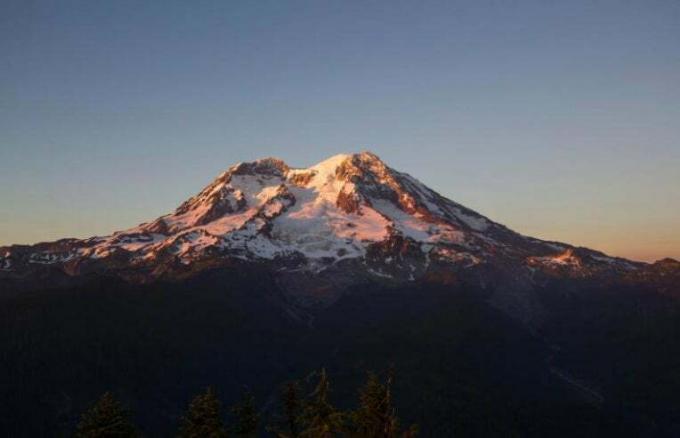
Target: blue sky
[{"x": 558, "y": 119}]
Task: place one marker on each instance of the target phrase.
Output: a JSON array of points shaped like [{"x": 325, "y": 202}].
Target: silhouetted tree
[
  {"x": 289, "y": 426},
  {"x": 319, "y": 418},
  {"x": 203, "y": 418},
  {"x": 245, "y": 416},
  {"x": 292, "y": 406},
  {"x": 376, "y": 416},
  {"x": 106, "y": 419},
  {"x": 313, "y": 417}
]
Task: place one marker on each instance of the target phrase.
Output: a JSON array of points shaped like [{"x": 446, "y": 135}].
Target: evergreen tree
[
  {"x": 246, "y": 416},
  {"x": 292, "y": 405},
  {"x": 320, "y": 419},
  {"x": 376, "y": 416},
  {"x": 106, "y": 419},
  {"x": 289, "y": 426},
  {"x": 203, "y": 418}
]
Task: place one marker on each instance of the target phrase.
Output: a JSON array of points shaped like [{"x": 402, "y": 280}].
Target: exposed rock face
[{"x": 351, "y": 211}]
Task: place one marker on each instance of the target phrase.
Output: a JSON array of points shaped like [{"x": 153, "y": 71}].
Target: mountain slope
[
  {"x": 350, "y": 211},
  {"x": 271, "y": 271}
]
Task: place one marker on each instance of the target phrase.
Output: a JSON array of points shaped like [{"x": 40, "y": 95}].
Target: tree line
[{"x": 310, "y": 415}]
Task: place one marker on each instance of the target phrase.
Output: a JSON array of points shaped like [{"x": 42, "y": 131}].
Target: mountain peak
[
  {"x": 336, "y": 161},
  {"x": 266, "y": 166},
  {"x": 347, "y": 208},
  {"x": 275, "y": 166}
]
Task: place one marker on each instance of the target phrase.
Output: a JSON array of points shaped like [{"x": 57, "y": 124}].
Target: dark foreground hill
[{"x": 602, "y": 365}]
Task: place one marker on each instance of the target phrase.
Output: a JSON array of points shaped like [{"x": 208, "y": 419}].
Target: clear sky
[{"x": 560, "y": 119}]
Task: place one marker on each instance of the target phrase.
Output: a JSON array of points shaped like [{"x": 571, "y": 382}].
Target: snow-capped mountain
[
  {"x": 351, "y": 214},
  {"x": 271, "y": 270}
]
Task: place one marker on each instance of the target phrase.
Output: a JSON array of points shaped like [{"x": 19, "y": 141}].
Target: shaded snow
[{"x": 415, "y": 227}]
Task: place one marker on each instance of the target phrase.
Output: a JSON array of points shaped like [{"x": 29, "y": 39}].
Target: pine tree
[
  {"x": 376, "y": 416},
  {"x": 320, "y": 419},
  {"x": 368, "y": 420},
  {"x": 246, "y": 416},
  {"x": 203, "y": 418},
  {"x": 106, "y": 419},
  {"x": 292, "y": 405},
  {"x": 289, "y": 424}
]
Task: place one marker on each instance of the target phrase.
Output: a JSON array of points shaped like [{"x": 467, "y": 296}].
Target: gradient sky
[{"x": 559, "y": 119}]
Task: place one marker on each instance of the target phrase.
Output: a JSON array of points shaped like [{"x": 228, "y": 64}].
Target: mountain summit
[{"x": 351, "y": 214}]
